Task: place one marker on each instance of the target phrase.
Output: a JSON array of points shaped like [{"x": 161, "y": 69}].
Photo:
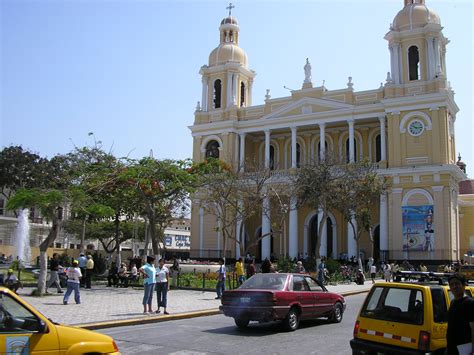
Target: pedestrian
[
  {"x": 148, "y": 270},
  {"x": 82, "y": 265},
  {"x": 321, "y": 267},
  {"x": 89, "y": 270},
  {"x": 387, "y": 272},
  {"x": 373, "y": 272},
  {"x": 133, "y": 277},
  {"x": 54, "y": 268},
  {"x": 174, "y": 271},
  {"x": 74, "y": 276},
  {"x": 123, "y": 275},
  {"x": 112, "y": 279},
  {"x": 266, "y": 266},
  {"x": 239, "y": 270},
  {"x": 251, "y": 269},
  {"x": 460, "y": 334},
  {"x": 221, "y": 275},
  {"x": 162, "y": 285},
  {"x": 299, "y": 267},
  {"x": 12, "y": 281}
]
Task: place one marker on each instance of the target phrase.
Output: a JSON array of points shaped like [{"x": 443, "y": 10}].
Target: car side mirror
[{"x": 42, "y": 327}]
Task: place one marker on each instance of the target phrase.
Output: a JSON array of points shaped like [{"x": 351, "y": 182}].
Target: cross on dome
[{"x": 230, "y": 7}]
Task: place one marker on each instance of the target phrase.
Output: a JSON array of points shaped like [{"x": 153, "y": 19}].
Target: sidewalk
[{"x": 104, "y": 307}]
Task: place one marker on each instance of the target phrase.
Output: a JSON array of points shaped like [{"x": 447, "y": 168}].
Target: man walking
[
  {"x": 89, "y": 270},
  {"x": 82, "y": 266},
  {"x": 220, "y": 287},
  {"x": 54, "y": 267},
  {"x": 460, "y": 334}
]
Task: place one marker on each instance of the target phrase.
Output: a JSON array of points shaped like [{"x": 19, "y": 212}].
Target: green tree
[{"x": 162, "y": 189}]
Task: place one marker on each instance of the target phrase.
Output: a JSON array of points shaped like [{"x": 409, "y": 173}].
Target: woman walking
[
  {"x": 162, "y": 285},
  {"x": 148, "y": 271}
]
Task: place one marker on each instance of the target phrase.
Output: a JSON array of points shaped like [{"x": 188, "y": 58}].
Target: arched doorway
[
  {"x": 376, "y": 246},
  {"x": 313, "y": 235},
  {"x": 329, "y": 238}
]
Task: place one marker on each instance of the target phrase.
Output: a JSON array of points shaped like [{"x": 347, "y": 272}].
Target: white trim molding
[
  {"x": 413, "y": 192},
  {"x": 417, "y": 114}
]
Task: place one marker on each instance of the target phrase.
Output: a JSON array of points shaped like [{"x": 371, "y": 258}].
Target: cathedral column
[
  {"x": 431, "y": 68},
  {"x": 293, "y": 229},
  {"x": 249, "y": 97},
  {"x": 204, "y": 100},
  {"x": 235, "y": 89},
  {"x": 267, "y": 149},
  {"x": 383, "y": 227},
  {"x": 322, "y": 141},
  {"x": 445, "y": 245},
  {"x": 396, "y": 76},
  {"x": 293, "y": 147},
  {"x": 437, "y": 60},
  {"x": 201, "y": 231},
  {"x": 266, "y": 227},
  {"x": 397, "y": 224},
  {"x": 351, "y": 242},
  {"x": 383, "y": 146},
  {"x": 242, "y": 151},
  {"x": 351, "y": 140},
  {"x": 323, "y": 250}
]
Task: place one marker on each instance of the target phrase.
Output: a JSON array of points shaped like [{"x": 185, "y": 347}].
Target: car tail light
[
  {"x": 424, "y": 341},
  {"x": 356, "y": 328},
  {"x": 116, "y": 349}
]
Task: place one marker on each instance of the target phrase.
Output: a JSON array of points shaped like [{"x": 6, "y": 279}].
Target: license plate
[{"x": 245, "y": 299}]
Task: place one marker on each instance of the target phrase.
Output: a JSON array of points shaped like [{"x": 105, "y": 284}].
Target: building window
[
  {"x": 272, "y": 157},
  {"x": 298, "y": 155},
  {"x": 71, "y": 246},
  {"x": 212, "y": 150},
  {"x": 242, "y": 94},
  {"x": 378, "y": 148},
  {"x": 319, "y": 149},
  {"x": 217, "y": 93},
  {"x": 414, "y": 63},
  {"x": 57, "y": 245},
  {"x": 2, "y": 207}
]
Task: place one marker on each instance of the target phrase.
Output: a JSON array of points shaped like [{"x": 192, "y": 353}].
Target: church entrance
[
  {"x": 259, "y": 235},
  {"x": 313, "y": 236}
]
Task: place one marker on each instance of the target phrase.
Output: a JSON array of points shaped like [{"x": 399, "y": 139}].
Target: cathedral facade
[{"x": 405, "y": 126}]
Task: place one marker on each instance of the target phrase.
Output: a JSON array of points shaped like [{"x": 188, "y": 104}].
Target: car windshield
[{"x": 265, "y": 282}]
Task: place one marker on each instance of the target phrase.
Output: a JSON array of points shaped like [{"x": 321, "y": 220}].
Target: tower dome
[
  {"x": 228, "y": 49},
  {"x": 415, "y": 14}
]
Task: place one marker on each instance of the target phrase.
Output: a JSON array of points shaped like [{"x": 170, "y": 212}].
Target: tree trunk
[
  {"x": 43, "y": 256},
  {"x": 356, "y": 237},
  {"x": 83, "y": 235},
  {"x": 317, "y": 253}
]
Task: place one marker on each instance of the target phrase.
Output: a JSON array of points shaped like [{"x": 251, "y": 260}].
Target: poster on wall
[{"x": 418, "y": 232}]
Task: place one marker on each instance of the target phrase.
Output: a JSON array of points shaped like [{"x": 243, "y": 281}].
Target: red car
[{"x": 286, "y": 297}]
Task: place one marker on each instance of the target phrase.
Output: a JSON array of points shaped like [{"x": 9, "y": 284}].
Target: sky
[{"x": 128, "y": 70}]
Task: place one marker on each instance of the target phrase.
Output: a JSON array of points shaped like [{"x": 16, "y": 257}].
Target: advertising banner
[{"x": 418, "y": 232}]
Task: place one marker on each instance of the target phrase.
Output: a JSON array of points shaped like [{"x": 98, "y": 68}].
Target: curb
[{"x": 165, "y": 318}]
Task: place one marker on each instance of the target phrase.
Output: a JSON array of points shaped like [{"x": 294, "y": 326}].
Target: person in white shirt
[
  {"x": 73, "y": 279},
  {"x": 162, "y": 285},
  {"x": 373, "y": 271}
]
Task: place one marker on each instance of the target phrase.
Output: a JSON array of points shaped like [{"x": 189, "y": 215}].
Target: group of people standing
[{"x": 155, "y": 277}]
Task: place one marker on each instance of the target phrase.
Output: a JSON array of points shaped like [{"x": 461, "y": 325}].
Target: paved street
[
  {"x": 218, "y": 335},
  {"x": 106, "y": 304}
]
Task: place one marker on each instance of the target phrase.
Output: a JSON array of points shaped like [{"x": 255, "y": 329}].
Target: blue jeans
[
  {"x": 148, "y": 294},
  {"x": 162, "y": 293},
  {"x": 220, "y": 287},
  {"x": 72, "y": 286}
]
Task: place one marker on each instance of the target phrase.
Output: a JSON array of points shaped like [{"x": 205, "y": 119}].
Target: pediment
[{"x": 307, "y": 105}]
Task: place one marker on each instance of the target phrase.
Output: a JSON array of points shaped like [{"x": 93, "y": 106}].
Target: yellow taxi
[
  {"x": 403, "y": 318},
  {"x": 24, "y": 330}
]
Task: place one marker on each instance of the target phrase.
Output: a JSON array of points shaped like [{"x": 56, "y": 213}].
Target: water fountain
[{"x": 22, "y": 238}]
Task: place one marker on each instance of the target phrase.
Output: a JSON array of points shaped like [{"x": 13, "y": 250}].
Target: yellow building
[{"x": 406, "y": 126}]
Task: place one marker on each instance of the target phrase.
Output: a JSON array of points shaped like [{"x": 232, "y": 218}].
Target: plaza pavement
[{"x": 105, "y": 307}]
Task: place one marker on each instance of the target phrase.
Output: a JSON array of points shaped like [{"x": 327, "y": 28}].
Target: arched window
[
  {"x": 242, "y": 94},
  {"x": 348, "y": 152},
  {"x": 378, "y": 148},
  {"x": 414, "y": 63},
  {"x": 272, "y": 157},
  {"x": 212, "y": 150},
  {"x": 217, "y": 93},
  {"x": 298, "y": 155}
]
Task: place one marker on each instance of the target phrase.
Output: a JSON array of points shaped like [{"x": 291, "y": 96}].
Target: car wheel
[
  {"x": 292, "y": 320},
  {"x": 241, "y": 323},
  {"x": 336, "y": 316}
]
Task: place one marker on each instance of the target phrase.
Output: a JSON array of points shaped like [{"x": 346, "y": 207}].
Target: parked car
[
  {"x": 403, "y": 318},
  {"x": 281, "y": 297},
  {"x": 24, "y": 330}
]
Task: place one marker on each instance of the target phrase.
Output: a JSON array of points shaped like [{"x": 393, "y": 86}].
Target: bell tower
[
  {"x": 417, "y": 45},
  {"x": 226, "y": 80}
]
